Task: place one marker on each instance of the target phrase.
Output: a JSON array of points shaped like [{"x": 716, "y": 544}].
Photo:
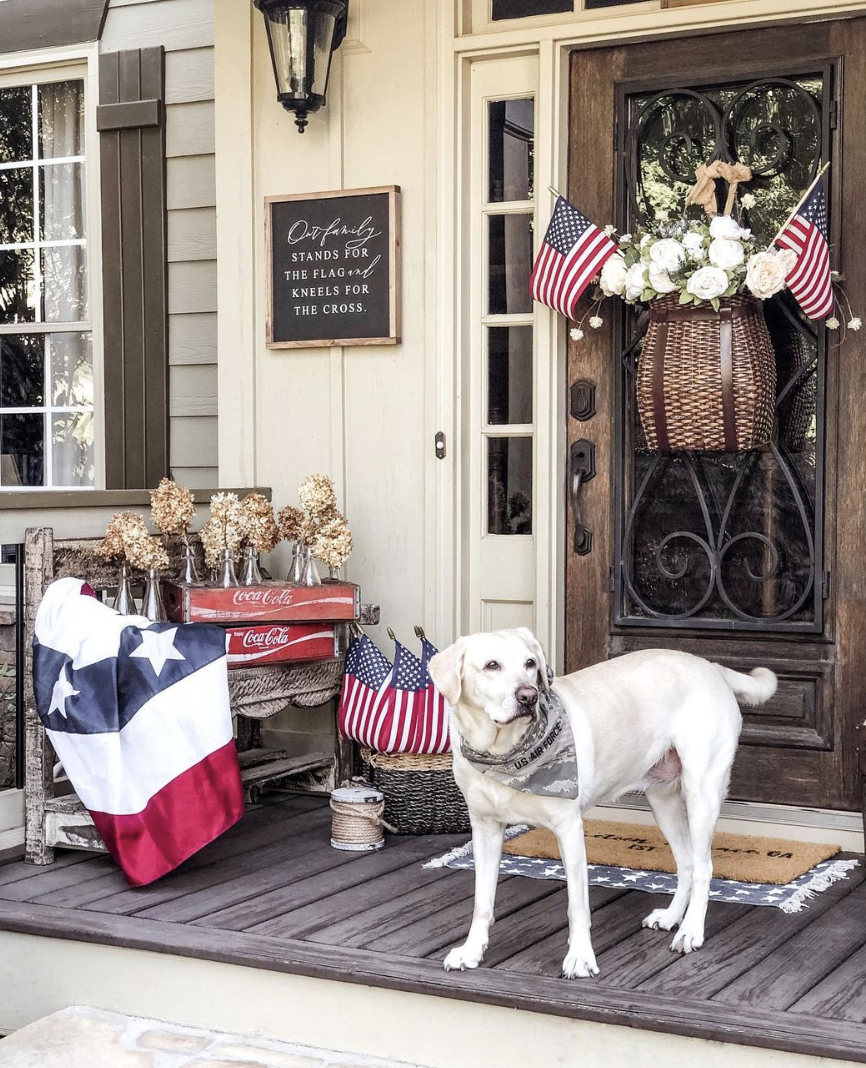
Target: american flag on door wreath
[{"x": 393, "y": 707}]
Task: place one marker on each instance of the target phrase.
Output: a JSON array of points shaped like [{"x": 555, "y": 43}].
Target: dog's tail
[{"x": 755, "y": 688}]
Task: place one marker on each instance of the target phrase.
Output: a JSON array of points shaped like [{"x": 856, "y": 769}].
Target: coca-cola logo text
[{"x": 272, "y": 638}]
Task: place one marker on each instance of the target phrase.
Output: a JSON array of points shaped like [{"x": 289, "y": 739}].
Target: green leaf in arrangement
[
  {"x": 685, "y": 297},
  {"x": 648, "y": 295},
  {"x": 715, "y": 303}
]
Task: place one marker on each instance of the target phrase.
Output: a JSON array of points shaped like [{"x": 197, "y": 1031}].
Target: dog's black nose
[{"x": 526, "y": 696}]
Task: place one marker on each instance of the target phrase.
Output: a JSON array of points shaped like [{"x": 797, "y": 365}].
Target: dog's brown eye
[
  {"x": 491, "y": 665},
  {"x": 530, "y": 663}
]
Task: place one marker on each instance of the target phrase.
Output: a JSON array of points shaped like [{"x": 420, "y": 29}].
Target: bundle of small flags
[{"x": 392, "y": 707}]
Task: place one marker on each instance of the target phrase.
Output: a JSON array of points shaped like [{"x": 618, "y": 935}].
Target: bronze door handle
[{"x": 582, "y": 471}]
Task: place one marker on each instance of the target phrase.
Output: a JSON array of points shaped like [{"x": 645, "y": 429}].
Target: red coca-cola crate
[
  {"x": 272, "y": 602},
  {"x": 275, "y": 643}
]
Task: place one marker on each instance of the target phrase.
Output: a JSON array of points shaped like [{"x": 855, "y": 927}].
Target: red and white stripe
[{"x": 810, "y": 280}]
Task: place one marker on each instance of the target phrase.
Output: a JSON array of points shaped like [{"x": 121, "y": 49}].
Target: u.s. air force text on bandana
[{"x": 543, "y": 762}]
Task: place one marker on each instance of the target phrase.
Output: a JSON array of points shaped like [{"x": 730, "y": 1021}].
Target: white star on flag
[
  {"x": 157, "y": 647},
  {"x": 63, "y": 688}
]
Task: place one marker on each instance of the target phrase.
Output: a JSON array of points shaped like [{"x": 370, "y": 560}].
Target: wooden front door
[{"x": 747, "y": 558}]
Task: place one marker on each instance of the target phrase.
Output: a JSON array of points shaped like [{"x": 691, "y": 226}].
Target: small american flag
[
  {"x": 366, "y": 693},
  {"x": 806, "y": 234},
  {"x": 573, "y": 252},
  {"x": 437, "y": 712}
]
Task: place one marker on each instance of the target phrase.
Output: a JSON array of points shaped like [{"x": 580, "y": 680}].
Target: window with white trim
[{"x": 47, "y": 405}]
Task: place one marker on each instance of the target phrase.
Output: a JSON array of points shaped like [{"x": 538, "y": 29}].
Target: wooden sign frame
[{"x": 394, "y": 268}]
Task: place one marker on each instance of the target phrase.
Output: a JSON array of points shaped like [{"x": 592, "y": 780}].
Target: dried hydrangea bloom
[
  {"x": 137, "y": 542},
  {"x": 172, "y": 508},
  {"x": 290, "y": 520},
  {"x": 111, "y": 547},
  {"x": 154, "y": 555},
  {"x": 226, "y": 511},
  {"x": 316, "y": 494},
  {"x": 212, "y": 542},
  {"x": 332, "y": 543},
  {"x": 262, "y": 531}
]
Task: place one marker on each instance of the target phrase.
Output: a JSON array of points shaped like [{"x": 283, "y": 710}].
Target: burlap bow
[{"x": 703, "y": 192}]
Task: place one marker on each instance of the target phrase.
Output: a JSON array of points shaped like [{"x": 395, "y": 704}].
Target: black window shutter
[{"x": 131, "y": 123}]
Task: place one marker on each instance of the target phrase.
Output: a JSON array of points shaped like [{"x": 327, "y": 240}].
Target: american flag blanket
[{"x": 139, "y": 716}]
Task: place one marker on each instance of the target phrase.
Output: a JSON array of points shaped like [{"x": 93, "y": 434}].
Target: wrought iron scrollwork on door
[{"x": 726, "y": 540}]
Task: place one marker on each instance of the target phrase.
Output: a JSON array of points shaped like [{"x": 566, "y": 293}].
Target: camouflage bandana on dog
[{"x": 543, "y": 762}]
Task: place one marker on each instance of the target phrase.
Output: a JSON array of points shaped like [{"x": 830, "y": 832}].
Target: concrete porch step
[{"x": 81, "y": 1037}]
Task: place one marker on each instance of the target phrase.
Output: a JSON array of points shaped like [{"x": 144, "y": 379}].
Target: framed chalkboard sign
[{"x": 333, "y": 268}]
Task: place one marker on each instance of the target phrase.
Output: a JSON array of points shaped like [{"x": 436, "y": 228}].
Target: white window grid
[
  {"x": 38, "y": 325},
  {"x": 494, "y": 208}
]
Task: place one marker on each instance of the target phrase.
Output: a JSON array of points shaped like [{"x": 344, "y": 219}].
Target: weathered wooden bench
[{"x": 53, "y": 819}]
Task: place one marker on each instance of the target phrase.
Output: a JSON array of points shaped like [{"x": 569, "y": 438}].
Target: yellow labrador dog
[{"x": 528, "y": 751}]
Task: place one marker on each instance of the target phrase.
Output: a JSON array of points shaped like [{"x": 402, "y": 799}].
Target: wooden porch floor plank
[
  {"x": 442, "y": 927},
  {"x": 645, "y": 953},
  {"x": 240, "y": 849},
  {"x": 325, "y": 873},
  {"x": 16, "y": 870},
  {"x": 509, "y": 934},
  {"x": 842, "y": 994},
  {"x": 792, "y": 970},
  {"x": 789, "y": 1032},
  {"x": 348, "y": 916},
  {"x": 51, "y": 880},
  {"x": 612, "y": 921},
  {"x": 744, "y": 944}
]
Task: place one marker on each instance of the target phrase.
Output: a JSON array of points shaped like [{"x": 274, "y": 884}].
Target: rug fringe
[
  {"x": 820, "y": 881},
  {"x": 458, "y": 852}
]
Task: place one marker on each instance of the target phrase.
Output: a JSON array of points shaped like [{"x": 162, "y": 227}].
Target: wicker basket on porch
[
  {"x": 707, "y": 380},
  {"x": 421, "y": 796}
]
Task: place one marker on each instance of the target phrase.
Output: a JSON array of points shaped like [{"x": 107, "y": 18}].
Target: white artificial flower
[
  {"x": 645, "y": 240},
  {"x": 610, "y": 229},
  {"x": 855, "y": 323},
  {"x": 575, "y": 333},
  {"x": 613, "y": 275},
  {"x": 667, "y": 254},
  {"x": 765, "y": 273},
  {"x": 624, "y": 238},
  {"x": 725, "y": 253},
  {"x": 662, "y": 215},
  {"x": 596, "y": 321},
  {"x": 660, "y": 280},
  {"x": 635, "y": 281},
  {"x": 748, "y": 200},
  {"x": 832, "y": 323},
  {"x": 725, "y": 227},
  {"x": 693, "y": 243},
  {"x": 707, "y": 283}
]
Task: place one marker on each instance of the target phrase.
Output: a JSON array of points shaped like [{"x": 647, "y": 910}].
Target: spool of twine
[{"x": 357, "y": 819}]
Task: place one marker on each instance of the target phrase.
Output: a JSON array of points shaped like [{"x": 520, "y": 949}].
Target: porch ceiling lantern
[{"x": 302, "y": 37}]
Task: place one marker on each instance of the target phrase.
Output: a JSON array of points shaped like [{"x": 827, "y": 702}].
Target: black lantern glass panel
[{"x": 302, "y": 36}]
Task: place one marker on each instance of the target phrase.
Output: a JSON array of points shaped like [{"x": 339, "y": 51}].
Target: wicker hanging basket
[
  {"x": 706, "y": 379},
  {"x": 421, "y": 796}
]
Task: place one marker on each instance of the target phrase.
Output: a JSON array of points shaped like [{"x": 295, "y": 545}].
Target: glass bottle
[
  {"x": 124, "y": 602},
  {"x": 310, "y": 574},
  {"x": 188, "y": 570},
  {"x": 227, "y": 577},
  {"x": 152, "y": 607},
  {"x": 296, "y": 571},
  {"x": 250, "y": 573}
]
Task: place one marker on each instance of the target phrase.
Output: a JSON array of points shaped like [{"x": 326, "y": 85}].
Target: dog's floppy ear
[
  {"x": 446, "y": 671},
  {"x": 535, "y": 645}
]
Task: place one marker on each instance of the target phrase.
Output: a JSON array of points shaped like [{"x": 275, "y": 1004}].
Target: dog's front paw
[
  {"x": 579, "y": 965},
  {"x": 661, "y": 920},
  {"x": 462, "y": 957},
  {"x": 686, "y": 941}
]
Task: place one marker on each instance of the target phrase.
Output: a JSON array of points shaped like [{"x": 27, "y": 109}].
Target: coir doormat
[
  {"x": 615, "y": 860},
  {"x": 741, "y": 857}
]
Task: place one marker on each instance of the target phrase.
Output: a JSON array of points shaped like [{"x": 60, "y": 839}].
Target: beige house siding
[{"x": 185, "y": 29}]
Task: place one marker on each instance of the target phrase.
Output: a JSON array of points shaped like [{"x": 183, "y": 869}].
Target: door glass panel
[
  {"x": 509, "y": 375},
  {"x": 510, "y": 148},
  {"x": 509, "y": 253},
  {"x": 509, "y": 485},
  {"x": 22, "y": 371},
  {"x": 21, "y": 447},
  {"x": 16, "y": 205},
  {"x": 16, "y": 124},
  {"x": 712, "y": 539},
  {"x": 17, "y": 286}
]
